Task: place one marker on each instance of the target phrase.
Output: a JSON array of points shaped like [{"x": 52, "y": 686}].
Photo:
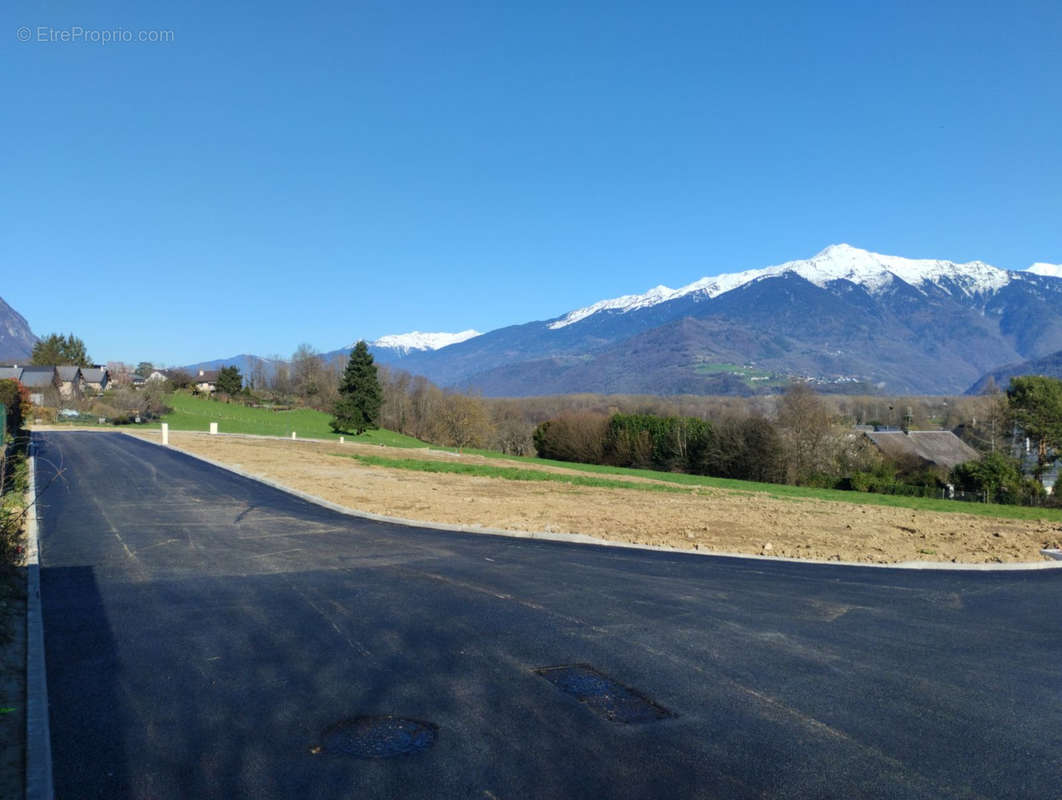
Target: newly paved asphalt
[{"x": 203, "y": 631}]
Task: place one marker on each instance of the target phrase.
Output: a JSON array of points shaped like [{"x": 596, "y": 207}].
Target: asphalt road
[{"x": 204, "y": 631}]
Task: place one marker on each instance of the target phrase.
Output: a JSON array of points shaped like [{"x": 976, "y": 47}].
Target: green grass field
[
  {"x": 192, "y": 413},
  {"x": 750, "y": 375},
  {"x": 507, "y": 473},
  {"x": 732, "y": 369}
]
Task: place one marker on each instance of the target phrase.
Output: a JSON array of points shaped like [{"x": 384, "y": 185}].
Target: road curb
[
  {"x": 38, "y": 735},
  {"x": 582, "y": 538}
]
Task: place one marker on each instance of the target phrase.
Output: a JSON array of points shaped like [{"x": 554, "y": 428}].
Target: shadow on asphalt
[{"x": 86, "y": 713}]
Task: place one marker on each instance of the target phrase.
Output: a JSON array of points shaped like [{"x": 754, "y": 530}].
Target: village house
[
  {"x": 206, "y": 381},
  {"x": 69, "y": 380},
  {"x": 94, "y": 380},
  {"x": 41, "y": 382}
]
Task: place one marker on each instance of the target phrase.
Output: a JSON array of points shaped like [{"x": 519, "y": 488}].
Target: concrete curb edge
[
  {"x": 582, "y": 538},
  {"x": 39, "y": 784}
]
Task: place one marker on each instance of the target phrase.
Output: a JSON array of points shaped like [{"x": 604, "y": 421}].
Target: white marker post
[
  {"x": 213, "y": 429},
  {"x": 293, "y": 434},
  {"x": 341, "y": 440},
  {"x": 165, "y": 433}
]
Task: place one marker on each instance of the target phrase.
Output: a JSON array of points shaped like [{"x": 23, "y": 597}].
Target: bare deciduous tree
[
  {"x": 808, "y": 433},
  {"x": 256, "y": 373},
  {"x": 121, "y": 374},
  {"x": 464, "y": 420}
]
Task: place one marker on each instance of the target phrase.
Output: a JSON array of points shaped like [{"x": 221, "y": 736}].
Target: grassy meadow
[{"x": 191, "y": 413}]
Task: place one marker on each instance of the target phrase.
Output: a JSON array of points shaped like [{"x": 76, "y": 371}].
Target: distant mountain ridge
[
  {"x": 1049, "y": 365},
  {"x": 846, "y": 319},
  {"x": 386, "y": 349},
  {"x": 16, "y": 338},
  {"x": 244, "y": 362}
]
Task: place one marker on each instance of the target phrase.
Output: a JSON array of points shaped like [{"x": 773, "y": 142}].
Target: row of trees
[
  {"x": 805, "y": 443},
  {"x": 413, "y": 405}
]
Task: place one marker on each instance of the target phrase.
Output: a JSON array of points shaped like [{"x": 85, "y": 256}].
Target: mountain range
[
  {"x": 846, "y": 319},
  {"x": 16, "y": 338}
]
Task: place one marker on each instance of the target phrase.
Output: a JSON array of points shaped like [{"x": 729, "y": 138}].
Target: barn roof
[{"x": 942, "y": 448}]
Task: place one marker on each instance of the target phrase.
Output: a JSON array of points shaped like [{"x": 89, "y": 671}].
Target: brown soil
[{"x": 705, "y": 519}]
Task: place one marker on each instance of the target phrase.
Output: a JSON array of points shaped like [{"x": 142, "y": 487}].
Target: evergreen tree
[
  {"x": 230, "y": 381},
  {"x": 1036, "y": 405},
  {"x": 59, "y": 350},
  {"x": 360, "y": 396}
]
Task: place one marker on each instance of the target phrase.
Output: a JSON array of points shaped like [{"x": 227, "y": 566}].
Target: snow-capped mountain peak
[
  {"x": 873, "y": 271},
  {"x": 1050, "y": 270},
  {"x": 416, "y": 340}
]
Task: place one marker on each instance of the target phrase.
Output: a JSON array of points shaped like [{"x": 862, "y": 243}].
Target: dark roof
[
  {"x": 93, "y": 374},
  {"x": 943, "y": 448},
  {"x": 205, "y": 376},
  {"x": 37, "y": 377},
  {"x": 68, "y": 373}
]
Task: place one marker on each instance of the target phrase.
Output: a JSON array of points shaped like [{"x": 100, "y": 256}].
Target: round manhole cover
[{"x": 378, "y": 737}]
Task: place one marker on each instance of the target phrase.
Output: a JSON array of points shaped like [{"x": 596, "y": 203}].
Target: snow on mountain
[
  {"x": 416, "y": 340},
  {"x": 873, "y": 271},
  {"x": 628, "y": 302},
  {"x": 1050, "y": 270}
]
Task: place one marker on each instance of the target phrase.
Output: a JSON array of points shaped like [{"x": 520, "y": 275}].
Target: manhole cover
[
  {"x": 378, "y": 737},
  {"x": 604, "y": 696}
]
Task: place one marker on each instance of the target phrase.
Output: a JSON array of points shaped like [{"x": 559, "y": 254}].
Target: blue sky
[{"x": 279, "y": 174}]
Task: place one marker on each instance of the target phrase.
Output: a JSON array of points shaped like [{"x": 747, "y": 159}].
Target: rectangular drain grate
[{"x": 604, "y": 696}]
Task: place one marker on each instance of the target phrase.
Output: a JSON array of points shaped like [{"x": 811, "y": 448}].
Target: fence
[{"x": 944, "y": 493}]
